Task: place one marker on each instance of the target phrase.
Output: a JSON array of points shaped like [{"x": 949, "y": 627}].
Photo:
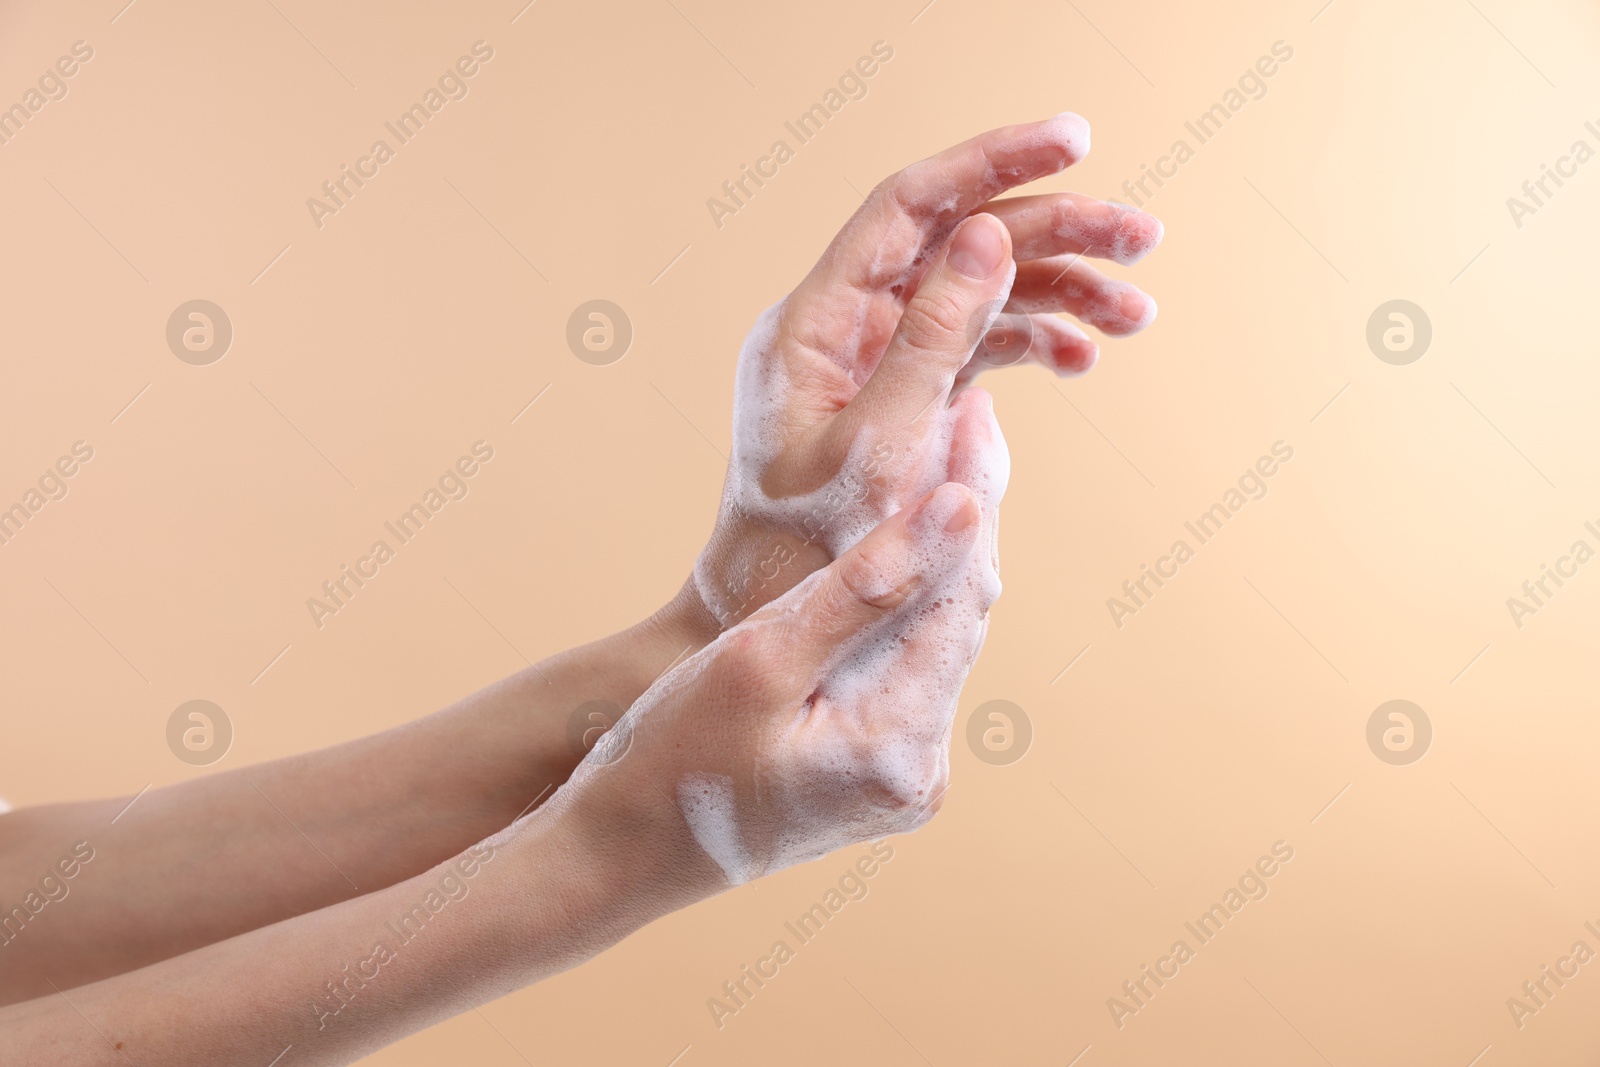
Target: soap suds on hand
[
  {"x": 707, "y": 803},
  {"x": 868, "y": 756}
]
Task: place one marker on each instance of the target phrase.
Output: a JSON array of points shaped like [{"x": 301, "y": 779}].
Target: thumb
[
  {"x": 908, "y": 554},
  {"x": 941, "y": 325}
]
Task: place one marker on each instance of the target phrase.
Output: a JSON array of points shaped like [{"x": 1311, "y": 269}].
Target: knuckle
[
  {"x": 912, "y": 796},
  {"x": 1068, "y": 218},
  {"x": 902, "y": 191},
  {"x": 746, "y": 658},
  {"x": 921, "y": 191},
  {"x": 937, "y": 319}
]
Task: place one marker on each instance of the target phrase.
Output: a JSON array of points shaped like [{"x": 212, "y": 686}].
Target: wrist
[
  {"x": 610, "y": 855},
  {"x": 685, "y": 623},
  {"x": 745, "y": 567}
]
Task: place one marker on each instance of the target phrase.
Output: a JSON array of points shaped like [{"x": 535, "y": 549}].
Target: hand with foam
[
  {"x": 848, "y": 391},
  {"x": 821, "y": 720}
]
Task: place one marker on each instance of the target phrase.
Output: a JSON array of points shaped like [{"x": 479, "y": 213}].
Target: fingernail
[
  {"x": 948, "y": 507},
  {"x": 978, "y": 247},
  {"x": 964, "y": 516}
]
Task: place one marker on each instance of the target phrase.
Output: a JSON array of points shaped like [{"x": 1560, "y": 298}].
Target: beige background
[{"x": 1224, "y": 717}]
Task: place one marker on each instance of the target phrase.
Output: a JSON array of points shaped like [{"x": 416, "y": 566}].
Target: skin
[
  {"x": 869, "y": 342},
  {"x": 211, "y": 885},
  {"x": 204, "y": 860},
  {"x": 606, "y": 855}
]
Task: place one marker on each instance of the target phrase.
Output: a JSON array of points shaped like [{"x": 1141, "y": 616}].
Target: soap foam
[
  {"x": 707, "y": 803},
  {"x": 868, "y": 755},
  {"x": 1101, "y": 301},
  {"x": 1135, "y": 235}
]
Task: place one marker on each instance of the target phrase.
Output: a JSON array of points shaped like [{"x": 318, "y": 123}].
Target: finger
[
  {"x": 1068, "y": 284},
  {"x": 908, "y": 216},
  {"x": 935, "y": 336},
  {"x": 909, "y": 551},
  {"x": 1069, "y": 224},
  {"x": 980, "y": 460},
  {"x": 1015, "y": 340},
  {"x": 978, "y": 456}
]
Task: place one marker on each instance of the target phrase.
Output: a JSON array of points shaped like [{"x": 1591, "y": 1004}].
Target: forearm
[
  {"x": 204, "y": 860},
  {"x": 344, "y": 981}
]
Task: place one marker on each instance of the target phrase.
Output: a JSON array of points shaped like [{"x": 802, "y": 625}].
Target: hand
[
  {"x": 842, "y": 388},
  {"x": 821, "y": 720}
]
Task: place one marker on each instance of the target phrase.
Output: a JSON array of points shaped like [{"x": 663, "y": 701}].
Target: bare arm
[
  {"x": 629, "y": 838},
  {"x": 205, "y": 860},
  {"x": 344, "y": 981},
  {"x": 212, "y": 859}
]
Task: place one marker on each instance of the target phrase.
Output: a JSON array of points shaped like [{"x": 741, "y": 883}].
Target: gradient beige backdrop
[{"x": 1167, "y": 755}]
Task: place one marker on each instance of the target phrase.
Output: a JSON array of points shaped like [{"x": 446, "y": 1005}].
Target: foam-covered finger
[
  {"x": 1014, "y": 340},
  {"x": 908, "y": 552},
  {"x": 978, "y": 457},
  {"x": 908, "y": 216},
  {"x": 1057, "y": 224},
  {"x": 1068, "y": 284}
]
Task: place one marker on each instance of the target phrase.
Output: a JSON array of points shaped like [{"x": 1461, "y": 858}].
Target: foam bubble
[
  {"x": 1133, "y": 237},
  {"x": 707, "y": 803},
  {"x": 868, "y": 755}
]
